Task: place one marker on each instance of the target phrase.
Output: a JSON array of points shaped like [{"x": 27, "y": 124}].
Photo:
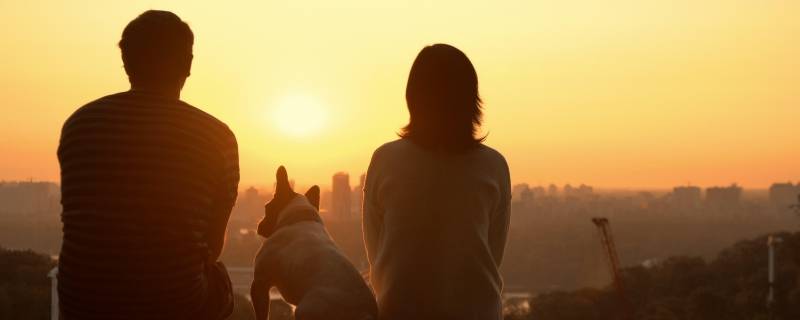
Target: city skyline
[
  {"x": 269, "y": 186},
  {"x": 527, "y": 159}
]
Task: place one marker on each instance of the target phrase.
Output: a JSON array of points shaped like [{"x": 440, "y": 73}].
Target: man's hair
[
  {"x": 157, "y": 48},
  {"x": 443, "y": 100}
]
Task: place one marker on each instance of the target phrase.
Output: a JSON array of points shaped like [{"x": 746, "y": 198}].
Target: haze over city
[{"x": 420, "y": 159}]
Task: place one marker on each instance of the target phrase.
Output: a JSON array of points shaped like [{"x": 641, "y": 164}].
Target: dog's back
[{"x": 310, "y": 271}]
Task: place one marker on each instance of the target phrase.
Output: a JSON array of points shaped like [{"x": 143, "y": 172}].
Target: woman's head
[{"x": 443, "y": 100}]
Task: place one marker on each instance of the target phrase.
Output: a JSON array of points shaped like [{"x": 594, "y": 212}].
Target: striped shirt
[{"x": 148, "y": 184}]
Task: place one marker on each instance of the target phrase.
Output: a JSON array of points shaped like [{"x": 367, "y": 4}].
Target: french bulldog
[{"x": 302, "y": 261}]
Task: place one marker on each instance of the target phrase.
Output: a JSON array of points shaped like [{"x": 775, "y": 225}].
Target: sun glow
[{"x": 299, "y": 115}]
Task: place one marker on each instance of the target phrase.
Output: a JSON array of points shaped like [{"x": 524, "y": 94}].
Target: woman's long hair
[{"x": 443, "y": 101}]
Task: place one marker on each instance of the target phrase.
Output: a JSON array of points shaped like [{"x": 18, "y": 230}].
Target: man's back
[{"x": 145, "y": 181}]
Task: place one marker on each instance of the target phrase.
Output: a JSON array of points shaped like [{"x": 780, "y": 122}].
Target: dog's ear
[
  {"x": 283, "y": 189},
  {"x": 283, "y": 195},
  {"x": 313, "y": 196}
]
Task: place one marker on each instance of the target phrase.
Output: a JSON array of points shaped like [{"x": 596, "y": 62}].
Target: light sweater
[{"x": 435, "y": 227}]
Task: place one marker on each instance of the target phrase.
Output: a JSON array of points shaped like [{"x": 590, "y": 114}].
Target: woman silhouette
[{"x": 436, "y": 201}]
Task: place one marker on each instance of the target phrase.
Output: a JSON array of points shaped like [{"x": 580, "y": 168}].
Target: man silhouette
[{"x": 148, "y": 183}]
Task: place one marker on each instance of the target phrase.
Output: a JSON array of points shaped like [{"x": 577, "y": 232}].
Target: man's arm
[{"x": 226, "y": 199}]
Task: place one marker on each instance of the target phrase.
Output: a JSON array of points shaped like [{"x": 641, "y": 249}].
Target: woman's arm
[
  {"x": 372, "y": 225},
  {"x": 372, "y": 219},
  {"x": 498, "y": 231},
  {"x": 501, "y": 219}
]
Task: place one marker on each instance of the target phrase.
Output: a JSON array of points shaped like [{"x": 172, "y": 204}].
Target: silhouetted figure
[
  {"x": 148, "y": 183},
  {"x": 437, "y": 201}
]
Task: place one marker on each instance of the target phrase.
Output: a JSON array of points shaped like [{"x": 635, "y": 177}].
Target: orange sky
[{"x": 612, "y": 94}]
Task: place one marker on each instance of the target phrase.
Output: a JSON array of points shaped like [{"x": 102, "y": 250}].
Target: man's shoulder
[
  {"x": 91, "y": 107},
  {"x": 175, "y": 106},
  {"x": 210, "y": 119}
]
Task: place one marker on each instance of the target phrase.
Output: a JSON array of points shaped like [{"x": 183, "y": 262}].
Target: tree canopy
[{"x": 732, "y": 286}]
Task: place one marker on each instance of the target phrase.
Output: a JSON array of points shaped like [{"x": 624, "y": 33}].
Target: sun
[{"x": 299, "y": 115}]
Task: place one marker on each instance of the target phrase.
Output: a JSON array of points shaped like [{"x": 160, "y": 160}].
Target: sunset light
[
  {"x": 634, "y": 87},
  {"x": 299, "y": 115},
  {"x": 393, "y": 160}
]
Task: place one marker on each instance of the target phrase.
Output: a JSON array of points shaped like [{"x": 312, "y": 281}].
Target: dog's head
[{"x": 284, "y": 195}]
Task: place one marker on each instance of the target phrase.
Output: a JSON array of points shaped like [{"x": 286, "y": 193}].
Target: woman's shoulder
[
  {"x": 392, "y": 148},
  {"x": 490, "y": 154},
  {"x": 491, "y": 158}
]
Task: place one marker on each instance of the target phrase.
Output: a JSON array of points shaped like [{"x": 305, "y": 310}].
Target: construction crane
[{"x": 610, "y": 252}]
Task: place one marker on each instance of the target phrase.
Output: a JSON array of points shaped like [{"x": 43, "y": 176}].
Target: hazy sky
[{"x": 608, "y": 93}]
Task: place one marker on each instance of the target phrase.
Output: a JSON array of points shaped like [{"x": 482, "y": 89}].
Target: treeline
[
  {"x": 731, "y": 286},
  {"x": 24, "y": 285}
]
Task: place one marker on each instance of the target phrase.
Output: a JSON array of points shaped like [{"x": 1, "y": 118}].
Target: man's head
[{"x": 157, "y": 51}]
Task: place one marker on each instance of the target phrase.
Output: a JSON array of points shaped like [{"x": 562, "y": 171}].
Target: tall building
[
  {"x": 581, "y": 192},
  {"x": 723, "y": 197},
  {"x": 29, "y": 197},
  {"x": 341, "y": 198},
  {"x": 526, "y": 196},
  {"x": 784, "y": 195},
  {"x": 249, "y": 206},
  {"x": 552, "y": 190},
  {"x": 539, "y": 191},
  {"x": 358, "y": 195},
  {"x": 688, "y": 197},
  {"x": 567, "y": 190},
  {"x": 518, "y": 189}
]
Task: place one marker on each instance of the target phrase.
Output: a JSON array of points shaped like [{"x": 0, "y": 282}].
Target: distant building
[
  {"x": 552, "y": 190},
  {"x": 249, "y": 206},
  {"x": 358, "y": 195},
  {"x": 29, "y": 197},
  {"x": 581, "y": 192},
  {"x": 687, "y": 197},
  {"x": 539, "y": 191},
  {"x": 724, "y": 197},
  {"x": 567, "y": 190},
  {"x": 784, "y": 195},
  {"x": 341, "y": 197},
  {"x": 644, "y": 200},
  {"x": 518, "y": 189},
  {"x": 527, "y": 196},
  {"x": 326, "y": 203}
]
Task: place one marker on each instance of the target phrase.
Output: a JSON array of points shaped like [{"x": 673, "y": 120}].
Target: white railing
[{"x": 53, "y": 293}]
